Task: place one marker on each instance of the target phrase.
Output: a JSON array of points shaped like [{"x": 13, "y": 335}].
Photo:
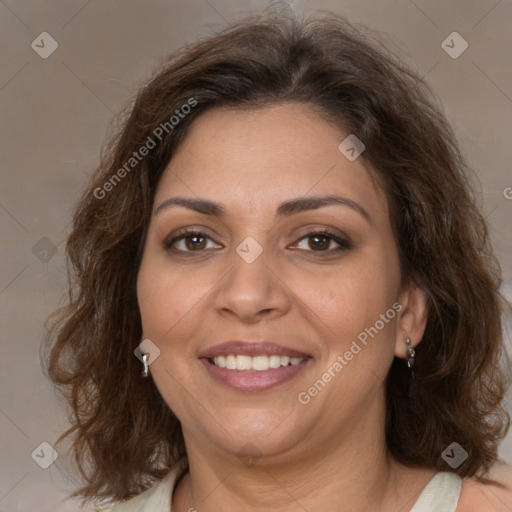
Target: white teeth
[
  {"x": 230, "y": 362},
  {"x": 243, "y": 363},
  {"x": 274, "y": 361},
  {"x": 258, "y": 363}
]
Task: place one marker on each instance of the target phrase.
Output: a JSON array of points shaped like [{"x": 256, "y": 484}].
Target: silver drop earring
[
  {"x": 145, "y": 371},
  {"x": 411, "y": 352}
]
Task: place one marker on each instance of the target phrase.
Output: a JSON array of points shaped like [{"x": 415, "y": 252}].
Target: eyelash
[{"x": 344, "y": 244}]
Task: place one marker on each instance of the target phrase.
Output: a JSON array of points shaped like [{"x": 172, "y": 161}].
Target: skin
[
  {"x": 478, "y": 497},
  {"x": 331, "y": 451}
]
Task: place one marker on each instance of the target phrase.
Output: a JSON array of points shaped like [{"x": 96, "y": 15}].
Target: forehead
[{"x": 271, "y": 153}]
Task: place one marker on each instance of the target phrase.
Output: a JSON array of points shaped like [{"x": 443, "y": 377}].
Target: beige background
[{"x": 54, "y": 114}]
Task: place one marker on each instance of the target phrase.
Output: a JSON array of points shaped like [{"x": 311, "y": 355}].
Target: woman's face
[{"x": 262, "y": 272}]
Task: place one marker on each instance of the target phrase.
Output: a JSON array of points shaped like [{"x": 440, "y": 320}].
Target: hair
[{"x": 124, "y": 436}]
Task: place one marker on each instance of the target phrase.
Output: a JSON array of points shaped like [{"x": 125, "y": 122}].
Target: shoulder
[
  {"x": 478, "y": 497},
  {"x": 157, "y": 498}
]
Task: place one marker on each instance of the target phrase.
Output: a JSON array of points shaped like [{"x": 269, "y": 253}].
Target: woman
[{"x": 283, "y": 240}]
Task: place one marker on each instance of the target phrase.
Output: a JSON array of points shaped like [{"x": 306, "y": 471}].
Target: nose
[{"x": 252, "y": 292}]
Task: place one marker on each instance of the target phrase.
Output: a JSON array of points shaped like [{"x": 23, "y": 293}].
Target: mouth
[
  {"x": 257, "y": 373},
  {"x": 253, "y": 365}
]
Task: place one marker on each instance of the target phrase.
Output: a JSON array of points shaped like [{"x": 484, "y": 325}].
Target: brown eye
[
  {"x": 188, "y": 241},
  {"x": 194, "y": 242},
  {"x": 320, "y": 241}
]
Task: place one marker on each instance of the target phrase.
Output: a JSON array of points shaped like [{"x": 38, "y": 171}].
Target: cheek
[
  {"x": 166, "y": 293},
  {"x": 166, "y": 303},
  {"x": 357, "y": 338},
  {"x": 165, "y": 298},
  {"x": 352, "y": 297}
]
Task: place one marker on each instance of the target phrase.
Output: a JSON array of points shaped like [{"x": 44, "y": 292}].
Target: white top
[{"x": 441, "y": 494}]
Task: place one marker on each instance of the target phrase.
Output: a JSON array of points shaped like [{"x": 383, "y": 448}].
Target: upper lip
[{"x": 250, "y": 348}]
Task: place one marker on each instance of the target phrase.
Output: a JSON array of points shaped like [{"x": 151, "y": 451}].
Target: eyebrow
[{"x": 286, "y": 209}]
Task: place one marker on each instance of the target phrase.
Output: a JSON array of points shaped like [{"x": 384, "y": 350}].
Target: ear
[{"x": 412, "y": 318}]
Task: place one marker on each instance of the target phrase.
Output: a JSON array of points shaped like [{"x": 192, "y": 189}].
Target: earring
[
  {"x": 145, "y": 371},
  {"x": 411, "y": 352}
]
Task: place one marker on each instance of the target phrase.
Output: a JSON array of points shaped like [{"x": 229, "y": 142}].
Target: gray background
[{"x": 54, "y": 115}]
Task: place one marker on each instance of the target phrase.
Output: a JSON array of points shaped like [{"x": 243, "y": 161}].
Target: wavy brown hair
[{"x": 123, "y": 435}]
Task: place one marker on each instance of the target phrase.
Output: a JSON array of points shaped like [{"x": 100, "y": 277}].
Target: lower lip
[{"x": 253, "y": 380}]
